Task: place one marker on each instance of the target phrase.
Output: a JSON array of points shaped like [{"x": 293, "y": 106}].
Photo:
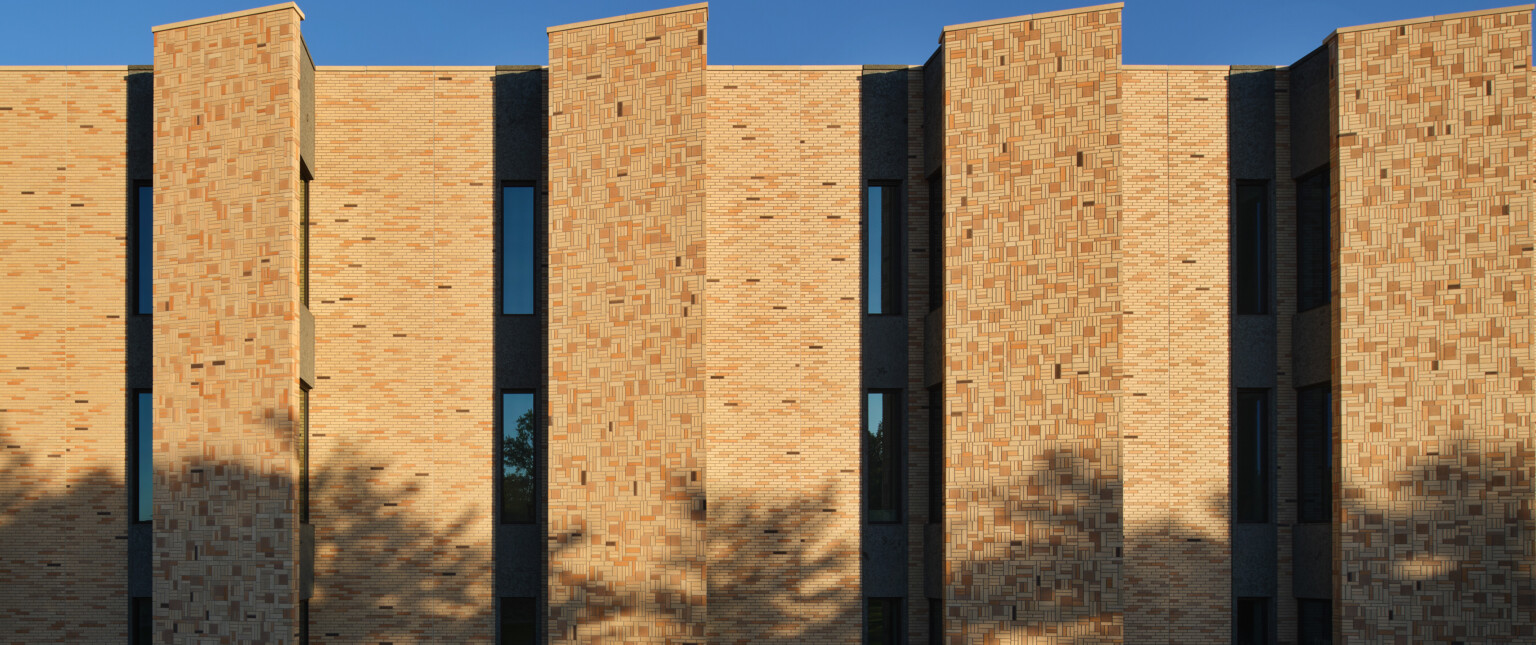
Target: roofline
[
  {"x": 627, "y": 16},
  {"x": 1414, "y": 21},
  {"x": 1033, "y": 16}
]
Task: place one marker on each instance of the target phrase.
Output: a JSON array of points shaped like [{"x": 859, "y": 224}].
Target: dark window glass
[
  {"x": 304, "y": 237},
  {"x": 143, "y": 455},
  {"x": 882, "y": 271},
  {"x": 144, "y": 248},
  {"x": 1314, "y": 453},
  {"x": 1250, "y": 248},
  {"x": 935, "y": 621},
  {"x": 936, "y": 454},
  {"x": 882, "y": 453},
  {"x": 303, "y": 449},
  {"x": 1250, "y": 459},
  {"x": 518, "y": 616},
  {"x": 143, "y": 620},
  {"x": 1315, "y": 621},
  {"x": 517, "y": 248},
  {"x": 883, "y": 623},
  {"x": 1313, "y": 254},
  {"x": 936, "y": 241},
  {"x": 303, "y": 622},
  {"x": 517, "y": 457},
  {"x": 1252, "y": 621}
]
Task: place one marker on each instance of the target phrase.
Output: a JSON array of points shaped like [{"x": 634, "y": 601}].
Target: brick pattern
[
  {"x": 626, "y": 352},
  {"x": 918, "y": 307},
  {"x": 781, "y": 341},
  {"x": 402, "y": 429},
  {"x": 1286, "y": 416},
  {"x": 63, "y": 222},
  {"x": 1432, "y": 311},
  {"x": 226, "y": 328},
  {"x": 1178, "y": 572},
  {"x": 1034, "y": 510}
]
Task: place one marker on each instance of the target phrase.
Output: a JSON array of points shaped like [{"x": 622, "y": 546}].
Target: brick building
[{"x": 1019, "y": 345}]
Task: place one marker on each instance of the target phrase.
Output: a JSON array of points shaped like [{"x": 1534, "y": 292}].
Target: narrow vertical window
[
  {"x": 883, "y": 621},
  {"x": 882, "y": 254},
  {"x": 143, "y": 455},
  {"x": 144, "y": 248},
  {"x": 1313, "y": 255},
  {"x": 1250, "y": 248},
  {"x": 936, "y": 241},
  {"x": 1314, "y": 617},
  {"x": 518, "y": 621},
  {"x": 303, "y": 450},
  {"x": 517, "y": 248},
  {"x": 1314, "y": 453},
  {"x": 518, "y": 419},
  {"x": 303, "y": 622},
  {"x": 1252, "y": 621},
  {"x": 143, "y": 620},
  {"x": 936, "y": 454},
  {"x": 1250, "y": 459},
  {"x": 935, "y": 621},
  {"x": 882, "y": 455},
  {"x": 304, "y": 224}
]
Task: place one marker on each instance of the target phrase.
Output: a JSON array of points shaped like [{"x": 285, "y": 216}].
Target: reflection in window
[
  {"x": 517, "y": 260},
  {"x": 882, "y": 255},
  {"x": 143, "y": 455},
  {"x": 882, "y": 621},
  {"x": 882, "y": 455},
  {"x": 517, "y": 457},
  {"x": 144, "y": 248}
]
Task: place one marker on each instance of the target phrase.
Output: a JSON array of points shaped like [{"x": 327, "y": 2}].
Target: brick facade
[{"x": 702, "y": 350}]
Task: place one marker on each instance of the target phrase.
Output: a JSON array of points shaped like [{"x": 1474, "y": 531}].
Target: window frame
[
  {"x": 502, "y": 615},
  {"x": 143, "y": 249},
  {"x": 936, "y": 455},
  {"x": 936, "y": 240},
  {"x": 1308, "y": 253},
  {"x": 303, "y": 450},
  {"x": 1265, "y": 628},
  {"x": 136, "y": 439},
  {"x": 1320, "y": 512},
  {"x": 305, "y": 222},
  {"x": 889, "y": 298},
  {"x": 503, "y": 255},
  {"x": 890, "y": 606},
  {"x": 1262, "y": 291},
  {"x": 892, "y": 405},
  {"x": 1265, "y": 452},
  {"x": 503, "y": 514}
]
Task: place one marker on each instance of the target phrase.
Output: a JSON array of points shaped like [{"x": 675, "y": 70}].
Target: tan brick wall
[
  {"x": 63, "y": 224},
  {"x": 782, "y": 346},
  {"x": 626, "y": 352},
  {"x": 1034, "y": 511},
  {"x": 226, "y": 328},
  {"x": 402, "y": 443},
  {"x": 1175, "y": 420},
  {"x": 1432, "y": 311}
]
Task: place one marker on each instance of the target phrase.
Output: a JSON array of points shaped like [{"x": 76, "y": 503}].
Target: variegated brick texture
[
  {"x": 1178, "y": 548},
  {"x": 782, "y": 347},
  {"x": 1032, "y": 329},
  {"x": 226, "y": 367},
  {"x": 63, "y": 225},
  {"x": 402, "y": 441},
  {"x": 626, "y": 322},
  {"x": 1432, "y": 316}
]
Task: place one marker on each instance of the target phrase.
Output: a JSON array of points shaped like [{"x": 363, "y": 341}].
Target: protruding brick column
[{"x": 226, "y": 327}]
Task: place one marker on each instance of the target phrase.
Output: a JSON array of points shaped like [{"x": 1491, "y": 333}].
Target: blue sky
[{"x": 742, "y": 32}]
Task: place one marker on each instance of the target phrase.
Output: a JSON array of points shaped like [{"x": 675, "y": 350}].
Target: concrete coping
[
  {"x": 1034, "y": 16},
  {"x": 627, "y": 16},
  {"x": 783, "y": 68},
  {"x": 228, "y": 16},
  {"x": 405, "y": 68},
  {"x": 1415, "y": 21},
  {"x": 76, "y": 68},
  {"x": 1176, "y": 68}
]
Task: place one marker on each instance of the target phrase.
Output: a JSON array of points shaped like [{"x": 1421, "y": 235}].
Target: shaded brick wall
[
  {"x": 1176, "y": 303},
  {"x": 918, "y": 308},
  {"x": 1034, "y": 529},
  {"x": 1431, "y": 310},
  {"x": 64, "y": 512},
  {"x": 402, "y": 444},
  {"x": 226, "y": 327},
  {"x": 782, "y": 344},
  {"x": 626, "y": 351}
]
